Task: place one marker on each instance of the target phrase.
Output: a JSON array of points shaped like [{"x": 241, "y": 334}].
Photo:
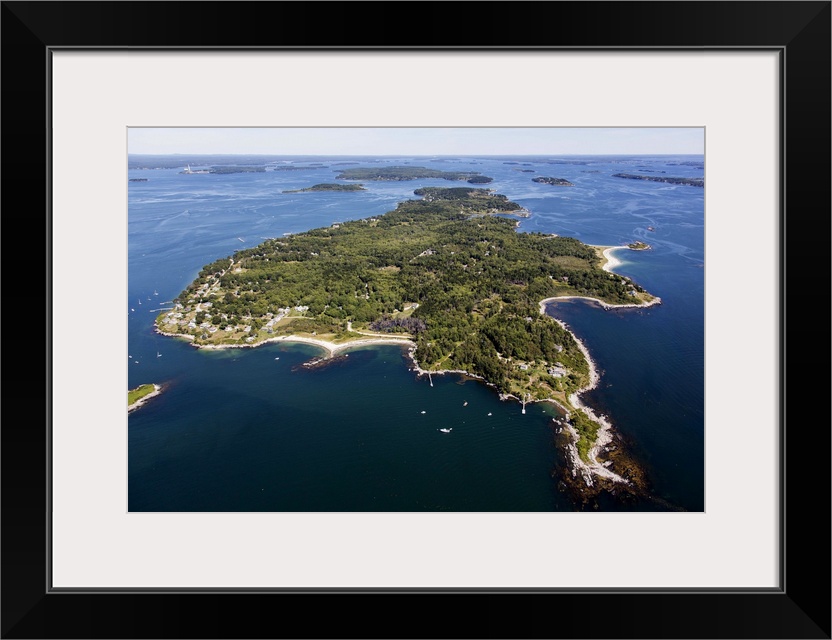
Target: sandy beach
[
  {"x": 334, "y": 348},
  {"x": 612, "y": 262},
  {"x": 330, "y": 347}
]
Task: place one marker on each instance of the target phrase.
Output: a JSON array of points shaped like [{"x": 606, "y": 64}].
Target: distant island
[
  {"x": 409, "y": 173},
  {"x": 558, "y": 182},
  {"x": 693, "y": 182},
  {"x": 329, "y": 187},
  {"x": 443, "y": 276},
  {"x": 226, "y": 170},
  {"x": 223, "y": 170},
  {"x": 138, "y": 396},
  {"x": 292, "y": 167},
  {"x": 137, "y": 180},
  {"x": 697, "y": 165},
  {"x": 639, "y": 246}
]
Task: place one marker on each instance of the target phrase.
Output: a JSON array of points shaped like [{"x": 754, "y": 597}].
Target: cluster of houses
[
  {"x": 556, "y": 371},
  {"x": 177, "y": 317}
]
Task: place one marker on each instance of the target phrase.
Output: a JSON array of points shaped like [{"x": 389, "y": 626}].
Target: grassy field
[{"x": 139, "y": 392}]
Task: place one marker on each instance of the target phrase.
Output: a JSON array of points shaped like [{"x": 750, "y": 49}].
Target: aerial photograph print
[{"x": 416, "y": 319}]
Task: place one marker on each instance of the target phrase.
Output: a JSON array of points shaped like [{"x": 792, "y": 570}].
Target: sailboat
[{"x": 158, "y": 355}]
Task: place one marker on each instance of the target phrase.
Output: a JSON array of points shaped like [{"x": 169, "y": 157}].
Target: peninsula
[
  {"x": 329, "y": 187},
  {"x": 445, "y": 275}
]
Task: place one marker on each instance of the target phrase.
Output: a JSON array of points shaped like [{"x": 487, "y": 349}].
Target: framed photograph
[{"x": 213, "y": 179}]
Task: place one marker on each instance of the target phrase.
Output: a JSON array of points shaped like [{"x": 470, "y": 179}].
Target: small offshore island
[
  {"x": 557, "y": 182},
  {"x": 447, "y": 276},
  {"x": 141, "y": 394}
]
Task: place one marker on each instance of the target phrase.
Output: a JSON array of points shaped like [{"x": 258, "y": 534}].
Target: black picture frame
[{"x": 799, "y": 608}]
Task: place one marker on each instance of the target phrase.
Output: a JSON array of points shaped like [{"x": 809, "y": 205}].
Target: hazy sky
[{"x": 416, "y": 141}]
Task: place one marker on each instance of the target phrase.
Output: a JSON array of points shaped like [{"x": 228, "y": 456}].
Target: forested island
[
  {"x": 443, "y": 274},
  {"x": 329, "y": 187},
  {"x": 639, "y": 246},
  {"x": 693, "y": 182},
  {"x": 558, "y": 182},
  {"x": 410, "y": 173}
]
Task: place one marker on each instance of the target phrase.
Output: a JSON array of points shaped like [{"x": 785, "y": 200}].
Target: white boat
[
  {"x": 158, "y": 355},
  {"x": 423, "y": 412},
  {"x": 446, "y": 430}
]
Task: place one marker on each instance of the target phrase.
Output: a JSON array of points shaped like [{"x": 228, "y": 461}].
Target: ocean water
[{"x": 239, "y": 430}]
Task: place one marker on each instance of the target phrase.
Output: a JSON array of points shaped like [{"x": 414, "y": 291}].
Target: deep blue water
[{"x": 237, "y": 430}]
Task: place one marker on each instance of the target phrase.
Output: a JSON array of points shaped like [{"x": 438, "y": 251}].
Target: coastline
[
  {"x": 577, "y": 466},
  {"x": 605, "y": 305},
  {"x": 330, "y": 347},
  {"x": 604, "y": 435}
]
